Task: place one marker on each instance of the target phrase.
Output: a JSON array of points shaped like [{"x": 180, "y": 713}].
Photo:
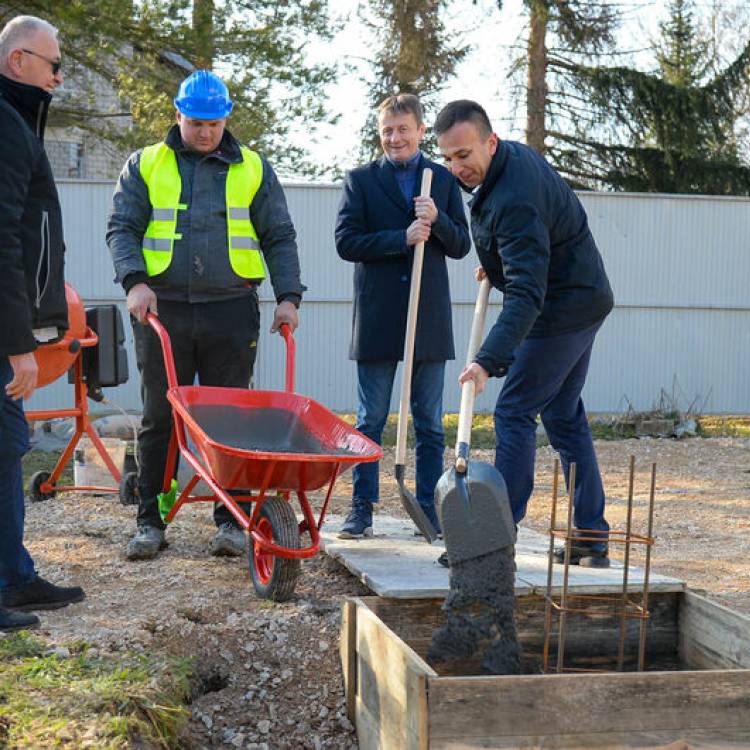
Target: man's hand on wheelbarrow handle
[
  {"x": 285, "y": 313},
  {"x": 141, "y": 299}
]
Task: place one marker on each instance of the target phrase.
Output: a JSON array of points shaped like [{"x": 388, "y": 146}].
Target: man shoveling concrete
[
  {"x": 479, "y": 538},
  {"x": 533, "y": 240}
]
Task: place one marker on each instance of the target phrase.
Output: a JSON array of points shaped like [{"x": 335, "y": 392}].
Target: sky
[
  {"x": 480, "y": 77},
  {"x": 494, "y": 37}
]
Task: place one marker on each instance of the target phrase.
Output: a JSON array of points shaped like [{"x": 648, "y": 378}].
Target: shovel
[
  {"x": 472, "y": 499},
  {"x": 408, "y": 500}
]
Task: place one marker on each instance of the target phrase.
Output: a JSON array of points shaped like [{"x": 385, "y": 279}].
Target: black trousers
[{"x": 215, "y": 341}]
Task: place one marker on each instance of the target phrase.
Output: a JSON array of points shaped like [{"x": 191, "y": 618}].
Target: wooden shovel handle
[
  {"x": 466, "y": 411},
  {"x": 411, "y": 329}
]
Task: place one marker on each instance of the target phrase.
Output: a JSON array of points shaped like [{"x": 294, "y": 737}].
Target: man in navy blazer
[{"x": 381, "y": 218}]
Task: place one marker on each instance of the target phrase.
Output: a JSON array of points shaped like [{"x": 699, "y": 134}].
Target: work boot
[
  {"x": 584, "y": 554},
  {"x": 229, "y": 541},
  {"x": 40, "y": 594},
  {"x": 10, "y": 620},
  {"x": 358, "y": 524},
  {"x": 147, "y": 543}
]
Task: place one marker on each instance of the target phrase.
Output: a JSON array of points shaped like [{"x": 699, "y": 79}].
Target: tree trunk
[
  {"x": 203, "y": 28},
  {"x": 536, "y": 92}
]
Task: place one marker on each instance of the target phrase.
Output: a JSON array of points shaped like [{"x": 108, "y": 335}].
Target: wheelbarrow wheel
[
  {"x": 275, "y": 577},
  {"x": 128, "y": 491},
  {"x": 35, "y": 493}
]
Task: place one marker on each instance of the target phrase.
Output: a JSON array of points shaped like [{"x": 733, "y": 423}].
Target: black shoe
[
  {"x": 443, "y": 560},
  {"x": 583, "y": 554},
  {"x": 40, "y": 594},
  {"x": 358, "y": 524},
  {"x": 10, "y": 620}
]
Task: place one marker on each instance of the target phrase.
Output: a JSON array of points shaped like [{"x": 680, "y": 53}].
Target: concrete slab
[{"x": 396, "y": 564}]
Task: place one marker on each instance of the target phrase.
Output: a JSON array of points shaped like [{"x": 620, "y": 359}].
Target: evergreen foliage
[
  {"x": 413, "y": 57},
  {"x": 559, "y": 31},
  {"x": 672, "y": 130},
  {"x": 145, "y": 49}
]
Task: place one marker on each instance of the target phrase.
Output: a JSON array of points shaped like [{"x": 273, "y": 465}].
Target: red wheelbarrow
[{"x": 254, "y": 450}]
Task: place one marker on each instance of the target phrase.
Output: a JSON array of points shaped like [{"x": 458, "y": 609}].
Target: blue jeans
[
  {"x": 546, "y": 378},
  {"x": 16, "y": 565},
  {"x": 374, "y": 386}
]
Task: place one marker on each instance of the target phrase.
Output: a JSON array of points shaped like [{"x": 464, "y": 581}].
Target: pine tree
[
  {"x": 671, "y": 130},
  {"x": 559, "y": 30},
  {"x": 413, "y": 57}
]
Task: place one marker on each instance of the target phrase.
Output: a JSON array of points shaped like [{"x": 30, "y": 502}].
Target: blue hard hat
[{"x": 203, "y": 96}]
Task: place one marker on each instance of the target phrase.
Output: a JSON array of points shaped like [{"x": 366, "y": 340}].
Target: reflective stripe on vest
[{"x": 158, "y": 166}]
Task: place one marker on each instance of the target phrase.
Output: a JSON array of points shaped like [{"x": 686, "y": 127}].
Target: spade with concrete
[
  {"x": 408, "y": 500},
  {"x": 471, "y": 497}
]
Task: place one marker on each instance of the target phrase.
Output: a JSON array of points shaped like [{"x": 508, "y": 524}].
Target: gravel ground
[{"x": 268, "y": 673}]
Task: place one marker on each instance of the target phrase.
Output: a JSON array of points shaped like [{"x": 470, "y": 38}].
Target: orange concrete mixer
[{"x": 53, "y": 361}]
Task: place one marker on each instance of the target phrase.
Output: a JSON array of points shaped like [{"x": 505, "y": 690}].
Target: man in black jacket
[
  {"x": 534, "y": 244},
  {"x": 32, "y": 292},
  {"x": 381, "y": 218}
]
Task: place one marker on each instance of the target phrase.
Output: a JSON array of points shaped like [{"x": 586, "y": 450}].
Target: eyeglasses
[{"x": 56, "y": 64}]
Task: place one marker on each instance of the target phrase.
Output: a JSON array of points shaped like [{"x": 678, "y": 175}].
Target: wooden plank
[
  {"x": 348, "y": 653},
  {"x": 391, "y": 687},
  {"x": 713, "y": 636},
  {"x": 571, "y": 703},
  {"x": 667, "y": 740}
]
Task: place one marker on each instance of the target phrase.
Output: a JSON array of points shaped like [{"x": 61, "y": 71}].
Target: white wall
[{"x": 679, "y": 266}]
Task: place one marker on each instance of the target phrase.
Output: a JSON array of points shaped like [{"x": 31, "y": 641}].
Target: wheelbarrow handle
[
  {"x": 166, "y": 347},
  {"x": 288, "y": 336},
  {"x": 466, "y": 410}
]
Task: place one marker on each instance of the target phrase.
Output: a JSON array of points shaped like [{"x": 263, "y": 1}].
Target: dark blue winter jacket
[{"x": 533, "y": 239}]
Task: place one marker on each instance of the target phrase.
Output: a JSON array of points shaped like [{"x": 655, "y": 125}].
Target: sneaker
[
  {"x": 229, "y": 541},
  {"x": 358, "y": 524},
  {"x": 147, "y": 543},
  {"x": 583, "y": 554},
  {"x": 40, "y": 594},
  {"x": 10, "y": 620}
]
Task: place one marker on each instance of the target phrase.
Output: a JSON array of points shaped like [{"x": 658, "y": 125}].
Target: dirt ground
[{"x": 268, "y": 673}]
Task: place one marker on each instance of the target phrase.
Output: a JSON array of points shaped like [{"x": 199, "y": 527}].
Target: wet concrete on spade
[{"x": 479, "y": 608}]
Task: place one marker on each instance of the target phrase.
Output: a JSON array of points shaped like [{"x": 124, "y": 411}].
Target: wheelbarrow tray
[{"x": 252, "y": 439}]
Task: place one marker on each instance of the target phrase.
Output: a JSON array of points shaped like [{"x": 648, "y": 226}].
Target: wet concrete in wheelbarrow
[{"x": 266, "y": 429}]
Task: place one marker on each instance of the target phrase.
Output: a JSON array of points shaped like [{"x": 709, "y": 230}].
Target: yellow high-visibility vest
[{"x": 159, "y": 170}]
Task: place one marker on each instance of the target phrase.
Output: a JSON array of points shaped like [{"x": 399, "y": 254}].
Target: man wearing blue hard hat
[{"x": 193, "y": 220}]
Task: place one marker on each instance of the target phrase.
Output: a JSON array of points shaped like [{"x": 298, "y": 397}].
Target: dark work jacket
[
  {"x": 32, "y": 286},
  {"x": 533, "y": 239},
  {"x": 371, "y": 233}
]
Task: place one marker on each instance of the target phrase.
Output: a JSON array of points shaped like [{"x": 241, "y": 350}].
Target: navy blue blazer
[{"x": 371, "y": 233}]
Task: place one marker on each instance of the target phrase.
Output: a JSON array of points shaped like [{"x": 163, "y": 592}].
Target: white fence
[{"x": 679, "y": 267}]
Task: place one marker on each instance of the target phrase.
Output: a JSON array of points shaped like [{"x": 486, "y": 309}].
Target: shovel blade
[
  {"x": 474, "y": 511},
  {"x": 413, "y": 508}
]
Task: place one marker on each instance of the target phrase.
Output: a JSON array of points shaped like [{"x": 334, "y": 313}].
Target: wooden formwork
[{"x": 694, "y": 694}]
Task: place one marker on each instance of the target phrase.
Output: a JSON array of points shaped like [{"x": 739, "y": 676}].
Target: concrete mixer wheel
[{"x": 35, "y": 493}]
